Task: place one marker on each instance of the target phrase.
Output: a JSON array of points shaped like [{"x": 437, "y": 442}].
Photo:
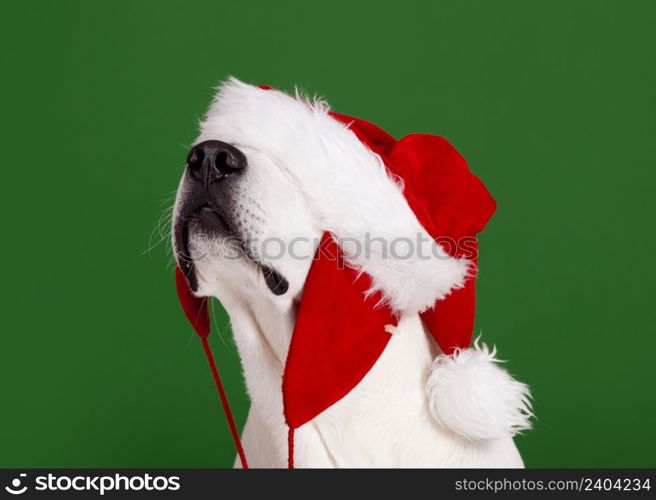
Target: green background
[{"x": 552, "y": 103}]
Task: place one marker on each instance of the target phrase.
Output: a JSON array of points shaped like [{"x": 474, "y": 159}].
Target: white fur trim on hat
[
  {"x": 469, "y": 393},
  {"x": 349, "y": 186}
]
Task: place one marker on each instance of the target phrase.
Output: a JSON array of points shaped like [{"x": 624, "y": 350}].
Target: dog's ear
[
  {"x": 340, "y": 332},
  {"x": 195, "y": 308}
]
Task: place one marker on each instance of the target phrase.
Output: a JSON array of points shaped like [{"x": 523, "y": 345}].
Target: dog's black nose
[{"x": 212, "y": 161}]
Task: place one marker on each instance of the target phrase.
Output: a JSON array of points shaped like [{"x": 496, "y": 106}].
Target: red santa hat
[{"x": 366, "y": 184}]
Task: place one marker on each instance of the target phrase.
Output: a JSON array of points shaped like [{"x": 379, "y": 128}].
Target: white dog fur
[{"x": 307, "y": 174}]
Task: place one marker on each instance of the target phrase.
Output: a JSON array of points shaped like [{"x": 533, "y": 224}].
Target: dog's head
[
  {"x": 271, "y": 173},
  {"x": 285, "y": 201}
]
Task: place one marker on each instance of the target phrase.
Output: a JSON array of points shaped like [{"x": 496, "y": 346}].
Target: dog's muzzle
[{"x": 212, "y": 166}]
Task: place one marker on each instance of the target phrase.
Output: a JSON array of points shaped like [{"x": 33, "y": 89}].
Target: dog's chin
[
  {"x": 191, "y": 233},
  {"x": 209, "y": 231}
]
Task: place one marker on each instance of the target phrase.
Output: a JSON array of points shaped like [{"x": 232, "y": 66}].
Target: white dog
[{"x": 271, "y": 175}]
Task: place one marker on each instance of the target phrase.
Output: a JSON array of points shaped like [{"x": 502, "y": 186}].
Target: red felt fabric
[
  {"x": 339, "y": 335},
  {"x": 195, "y": 308}
]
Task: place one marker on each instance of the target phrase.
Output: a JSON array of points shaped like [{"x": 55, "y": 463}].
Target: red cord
[
  {"x": 224, "y": 403},
  {"x": 290, "y": 450}
]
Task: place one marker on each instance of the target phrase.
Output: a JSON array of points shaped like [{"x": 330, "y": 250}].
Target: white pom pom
[{"x": 469, "y": 393}]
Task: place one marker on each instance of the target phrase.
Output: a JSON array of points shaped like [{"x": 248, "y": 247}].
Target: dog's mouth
[
  {"x": 207, "y": 223},
  {"x": 209, "y": 219}
]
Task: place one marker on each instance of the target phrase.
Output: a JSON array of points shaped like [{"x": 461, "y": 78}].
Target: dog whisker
[{"x": 162, "y": 226}]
